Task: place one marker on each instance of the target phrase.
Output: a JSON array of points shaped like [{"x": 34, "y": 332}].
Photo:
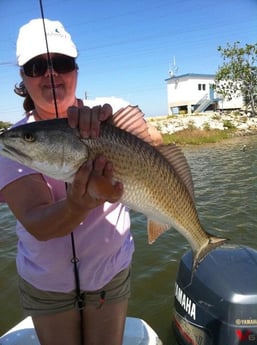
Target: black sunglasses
[{"x": 38, "y": 66}]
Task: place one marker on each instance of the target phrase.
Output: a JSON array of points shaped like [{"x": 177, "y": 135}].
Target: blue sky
[{"x": 126, "y": 47}]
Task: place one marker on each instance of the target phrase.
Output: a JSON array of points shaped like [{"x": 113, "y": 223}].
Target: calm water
[{"x": 225, "y": 179}]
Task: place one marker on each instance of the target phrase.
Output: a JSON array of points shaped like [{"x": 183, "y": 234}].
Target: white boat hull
[{"x": 137, "y": 332}]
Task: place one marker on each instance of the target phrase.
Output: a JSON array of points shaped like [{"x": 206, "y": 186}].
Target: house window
[{"x": 201, "y": 87}]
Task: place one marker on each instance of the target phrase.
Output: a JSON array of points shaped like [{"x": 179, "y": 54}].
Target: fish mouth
[{"x": 13, "y": 153}]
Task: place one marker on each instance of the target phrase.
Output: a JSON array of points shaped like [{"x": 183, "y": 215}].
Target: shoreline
[{"x": 242, "y": 123}]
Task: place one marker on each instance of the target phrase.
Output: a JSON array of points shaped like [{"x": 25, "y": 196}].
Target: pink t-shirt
[{"x": 104, "y": 244}]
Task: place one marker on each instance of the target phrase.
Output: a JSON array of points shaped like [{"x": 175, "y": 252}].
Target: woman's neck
[{"x": 44, "y": 114}]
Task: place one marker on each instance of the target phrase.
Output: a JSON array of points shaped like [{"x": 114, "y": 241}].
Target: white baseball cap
[{"x": 31, "y": 40}]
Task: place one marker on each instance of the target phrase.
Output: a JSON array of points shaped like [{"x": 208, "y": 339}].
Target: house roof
[{"x": 194, "y": 75}]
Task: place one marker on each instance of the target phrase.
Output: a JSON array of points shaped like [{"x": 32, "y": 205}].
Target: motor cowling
[{"x": 218, "y": 305}]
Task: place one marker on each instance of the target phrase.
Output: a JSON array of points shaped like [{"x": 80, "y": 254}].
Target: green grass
[{"x": 195, "y": 136}]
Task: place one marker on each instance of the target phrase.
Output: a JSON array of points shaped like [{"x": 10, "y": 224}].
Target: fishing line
[
  {"x": 80, "y": 300},
  {"x": 49, "y": 60}
]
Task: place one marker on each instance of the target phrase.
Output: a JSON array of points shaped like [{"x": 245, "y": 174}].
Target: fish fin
[
  {"x": 155, "y": 229},
  {"x": 131, "y": 119},
  {"x": 176, "y": 158},
  {"x": 212, "y": 243}
]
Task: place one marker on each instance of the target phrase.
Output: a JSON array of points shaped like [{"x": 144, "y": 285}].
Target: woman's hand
[
  {"x": 88, "y": 120},
  {"x": 93, "y": 185}
]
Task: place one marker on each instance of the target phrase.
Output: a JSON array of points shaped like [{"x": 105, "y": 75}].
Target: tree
[{"x": 238, "y": 74}]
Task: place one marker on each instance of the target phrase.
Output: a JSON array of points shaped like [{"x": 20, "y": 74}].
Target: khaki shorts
[{"x": 37, "y": 302}]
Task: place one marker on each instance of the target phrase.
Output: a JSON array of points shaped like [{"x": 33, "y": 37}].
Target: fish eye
[{"x": 29, "y": 137}]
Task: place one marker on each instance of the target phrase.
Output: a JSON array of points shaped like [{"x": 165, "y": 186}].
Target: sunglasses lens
[
  {"x": 37, "y": 67},
  {"x": 63, "y": 64}
]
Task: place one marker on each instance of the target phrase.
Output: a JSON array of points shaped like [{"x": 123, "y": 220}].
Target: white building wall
[{"x": 235, "y": 103}]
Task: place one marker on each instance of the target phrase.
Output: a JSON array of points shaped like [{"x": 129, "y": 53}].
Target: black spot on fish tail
[{"x": 211, "y": 244}]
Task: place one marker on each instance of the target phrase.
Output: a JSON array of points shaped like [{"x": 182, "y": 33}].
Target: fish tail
[{"x": 212, "y": 243}]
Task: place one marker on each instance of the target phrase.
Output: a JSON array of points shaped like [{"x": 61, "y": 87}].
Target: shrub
[
  {"x": 228, "y": 124},
  {"x": 206, "y": 126}
]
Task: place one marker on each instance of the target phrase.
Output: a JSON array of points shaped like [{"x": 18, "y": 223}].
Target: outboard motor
[{"x": 219, "y": 305}]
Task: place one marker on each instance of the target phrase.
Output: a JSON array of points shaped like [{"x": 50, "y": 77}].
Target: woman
[{"x": 74, "y": 252}]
